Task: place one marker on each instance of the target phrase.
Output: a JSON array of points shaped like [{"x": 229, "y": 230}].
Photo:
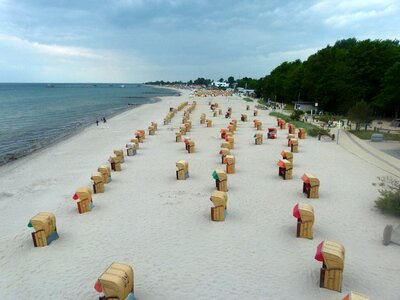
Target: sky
[{"x": 147, "y": 40}]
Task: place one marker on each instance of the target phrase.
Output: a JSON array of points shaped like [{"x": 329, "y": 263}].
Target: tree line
[
  {"x": 340, "y": 76},
  {"x": 337, "y": 77}
]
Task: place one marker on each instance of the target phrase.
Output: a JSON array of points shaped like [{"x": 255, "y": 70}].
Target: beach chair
[
  {"x": 221, "y": 180},
  {"x": 302, "y": 133},
  {"x": 188, "y": 125},
  {"x": 278, "y": 122},
  {"x": 331, "y": 254},
  {"x": 258, "y": 136},
  {"x": 190, "y": 146},
  {"x": 282, "y": 124},
  {"x": 183, "y": 170},
  {"x": 117, "y": 282},
  {"x": 178, "y": 137},
  {"x": 209, "y": 122},
  {"x": 289, "y": 137},
  {"x": 255, "y": 114},
  {"x": 272, "y": 133},
  {"x": 230, "y": 164},
  {"x": 259, "y": 125},
  {"x": 243, "y": 118},
  {"x": 219, "y": 200},
  {"x": 136, "y": 142},
  {"x": 155, "y": 125},
  {"x": 105, "y": 170},
  {"x": 83, "y": 196},
  {"x": 310, "y": 185},
  {"x": 120, "y": 154},
  {"x": 44, "y": 224},
  {"x": 304, "y": 213},
  {"x": 130, "y": 149},
  {"x": 223, "y": 133},
  {"x": 231, "y": 142},
  {"x": 247, "y": 107},
  {"x": 287, "y": 155},
  {"x": 294, "y": 145},
  {"x": 98, "y": 182},
  {"x": 115, "y": 163},
  {"x": 152, "y": 130},
  {"x": 203, "y": 118},
  {"x": 182, "y": 130},
  {"x": 285, "y": 169},
  {"x": 225, "y": 145},
  {"x": 140, "y": 135},
  {"x": 224, "y": 152}
]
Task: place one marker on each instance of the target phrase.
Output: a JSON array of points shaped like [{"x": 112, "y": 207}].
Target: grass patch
[
  {"x": 247, "y": 99},
  {"x": 312, "y": 130},
  {"x": 389, "y": 199},
  {"x": 366, "y": 135}
]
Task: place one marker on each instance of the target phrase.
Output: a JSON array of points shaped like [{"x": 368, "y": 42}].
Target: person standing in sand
[{"x": 97, "y": 122}]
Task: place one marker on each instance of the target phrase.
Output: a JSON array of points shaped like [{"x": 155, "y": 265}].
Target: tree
[
  {"x": 361, "y": 113},
  {"x": 221, "y": 80},
  {"x": 389, "y": 96},
  {"x": 231, "y": 80}
]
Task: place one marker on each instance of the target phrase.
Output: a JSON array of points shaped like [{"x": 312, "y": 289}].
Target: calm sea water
[{"x": 34, "y": 115}]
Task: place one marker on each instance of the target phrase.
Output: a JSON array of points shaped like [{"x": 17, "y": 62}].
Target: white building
[{"x": 220, "y": 84}]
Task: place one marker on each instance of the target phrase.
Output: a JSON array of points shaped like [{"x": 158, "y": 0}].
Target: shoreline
[{"x": 81, "y": 128}]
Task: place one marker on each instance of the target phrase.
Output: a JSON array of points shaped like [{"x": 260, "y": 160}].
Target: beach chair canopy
[
  {"x": 119, "y": 152},
  {"x": 258, "y": 134},
  {"x": 331, "y": 253},
  {"x": 230, "y": 159},
  {"x": 97, "y": 177},
  {"x": 286, "y": 154},
  {"x": 114, "y": 159},
  {"x": 304, "y": 212},
  {"x": 285, "y": 164},
  {"x": 308, "y": 178},
  {"x": 43, "y": 221},
  {"x": 83, "y": 193},
  {"x": 224, "y": 151},
  {"x": 219, "y": 198},
  {"x": 219, "y": 174},
  {"x": 182, "y": 165},
  {"x": 104, "y": 169},
  {"x": 130, "y": 146},
  {"x": 116, "y": 282},
  {"x": 294, "y": 142}
]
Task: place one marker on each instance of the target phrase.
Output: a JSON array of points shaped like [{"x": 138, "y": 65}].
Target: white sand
[{"x": 162, "y": 226}]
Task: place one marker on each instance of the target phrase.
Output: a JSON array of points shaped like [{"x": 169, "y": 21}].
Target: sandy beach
[{"x": 162, "y": 227}]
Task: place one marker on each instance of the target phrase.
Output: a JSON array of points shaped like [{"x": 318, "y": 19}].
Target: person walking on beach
[
  {"x": 104, "y": 120},
  {"x": 97, "y": 122}
]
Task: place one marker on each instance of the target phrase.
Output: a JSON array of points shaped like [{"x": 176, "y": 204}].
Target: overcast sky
[{"x": 143, "y": 40}]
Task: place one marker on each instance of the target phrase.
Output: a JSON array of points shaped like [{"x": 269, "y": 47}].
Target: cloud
[
  {"x": 339, "y": 13},
  {"x": 139, "y": 40}
]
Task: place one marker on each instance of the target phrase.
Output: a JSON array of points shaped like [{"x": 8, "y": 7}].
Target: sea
[{"x": 34, "y": 115}]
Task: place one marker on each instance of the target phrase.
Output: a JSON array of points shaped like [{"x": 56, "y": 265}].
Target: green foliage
[
  {"x": 361, "y": 113},
  {"x": 389, "y": 200},
  {"x": 202, "y": 81},
  {"x": 247, "y": 99},
  {"x": 390, "y": 93},
  {"x": 296, "y": 114},
  {"x": 338, "y": 75},
  {"x": 312, "y": 130}
]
